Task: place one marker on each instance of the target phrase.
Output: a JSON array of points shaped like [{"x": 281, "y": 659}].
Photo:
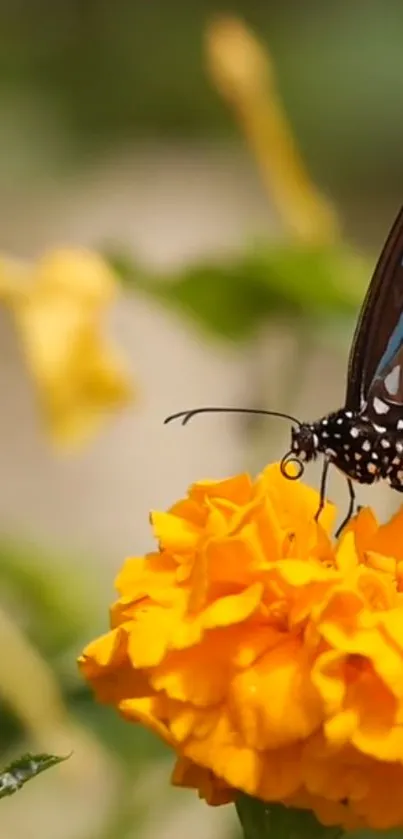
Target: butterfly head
[
  {"x": 304, "y": 442},
  {"x": 304, "y": 447}
]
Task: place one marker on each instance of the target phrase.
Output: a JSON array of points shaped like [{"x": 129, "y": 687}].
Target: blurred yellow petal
[
  {"x": 243, "y": 72},
  {"x": 58, "y": 305}
]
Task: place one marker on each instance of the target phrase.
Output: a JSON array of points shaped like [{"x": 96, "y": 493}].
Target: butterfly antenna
[{"x": 186, "y": 416}]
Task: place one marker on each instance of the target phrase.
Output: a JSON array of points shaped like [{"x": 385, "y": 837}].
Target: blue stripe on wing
[{"x": 394, "y": 344}]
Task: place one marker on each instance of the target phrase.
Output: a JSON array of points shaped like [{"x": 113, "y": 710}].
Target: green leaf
[
  {"x": 313, "y": 280},
  {"x": 14, "y": 776},
  {"x": 46, "y": 589},
  {"x": 234, "y": 297},
  {"x": 394, "y": 833},
  {"x": 134, "y": 744},
  {"x": 260, "y": 820},
  {"x": 221, "y": 299}
]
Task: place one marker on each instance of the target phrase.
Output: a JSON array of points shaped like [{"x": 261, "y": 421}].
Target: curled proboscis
[{"x": 290, "y": 459}]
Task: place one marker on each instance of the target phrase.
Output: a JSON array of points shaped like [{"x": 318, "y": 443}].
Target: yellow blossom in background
[
  {"x": 269, "y": 658},
  {"x": 58, "y": 304},
  {"x": 243, "y": 73}
]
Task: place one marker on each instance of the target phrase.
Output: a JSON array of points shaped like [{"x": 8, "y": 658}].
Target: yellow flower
[
  {"x": 58, "y": 304},
  {"x": 269, "y": 658}
]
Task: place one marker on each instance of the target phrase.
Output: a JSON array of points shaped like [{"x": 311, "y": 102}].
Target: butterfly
[{"x": 364, "y": 439}]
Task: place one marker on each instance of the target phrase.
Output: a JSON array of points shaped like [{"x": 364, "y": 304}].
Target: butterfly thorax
[{"x": 362, "y": 450}]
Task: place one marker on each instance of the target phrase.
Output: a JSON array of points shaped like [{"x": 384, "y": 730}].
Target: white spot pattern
[
  {"x": 380, "y": 407},
  {"x": 392, "y": 381}
]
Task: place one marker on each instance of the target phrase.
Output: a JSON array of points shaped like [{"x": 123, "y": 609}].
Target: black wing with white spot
[{"x": 375, "y": 380}]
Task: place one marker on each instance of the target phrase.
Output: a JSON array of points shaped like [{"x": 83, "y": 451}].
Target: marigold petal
[
  {"x": 223, "y": 565},
  {"x": 340, "y": 728},
  {"x": 281, "y": 773},
  {"x": 230, "y": 759},
  {"x": 334, "y": 778},
  {"x": 388, "y": 538},
  {"x": 189, "y": 722},
  {"x": 105, "y": 664},
  {"x": 386, "y": 564},
  {"x": 234, "y": 608},
  {"x": 328, "y": 676},
  {"x": 251, "y": 640},
  {"x": 385, "y": 742},
  {"x": 367, "y": 643},
  {"x": 198, "y": 675},
  {"x": 145, "y": 709},
  {"x": 140, "y": 576},
  {"x": 346, "y": 556},
  {"x": 302, "y": 572},
  {"x": 237, "y": 490},
  {"x": 392, "y": 624},
  {"x": 269, "y": 659},
  {"x": 386, "y": 661},
  {"x": 257, "y": 773},
  {"x": 267, "y": 531},
  {"x": 233, "y": 561},
  {"x": 293, "y": 502},
  {"x": 212, "y": 789},
  {"x": 294, "y": 709},
  {"x": 174, "y": 533},
  {"x": 363, "y": 528},
  {"x": 150, "y": 635},
  {"x": 107, "y": 650}
]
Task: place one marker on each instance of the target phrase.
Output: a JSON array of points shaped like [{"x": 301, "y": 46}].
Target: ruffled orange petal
[{"x": 268, "y": 658}]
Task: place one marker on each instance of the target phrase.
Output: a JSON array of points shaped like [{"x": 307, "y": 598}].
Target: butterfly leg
[
  {"x": 322, "y": 491},
  {"x": 350, "y": 510},
  {"x": 397, "y": 485}
]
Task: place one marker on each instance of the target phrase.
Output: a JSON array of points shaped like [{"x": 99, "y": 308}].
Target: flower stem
[{"x": 260, "y": 820}]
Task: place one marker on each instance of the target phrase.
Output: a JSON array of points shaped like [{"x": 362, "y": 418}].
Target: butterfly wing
[{"x": 377, "y": 349}]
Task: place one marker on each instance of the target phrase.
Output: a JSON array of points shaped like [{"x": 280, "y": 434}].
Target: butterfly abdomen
[{"x": 360, "y": 449}]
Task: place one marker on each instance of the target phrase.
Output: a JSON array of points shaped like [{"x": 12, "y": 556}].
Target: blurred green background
[
  {"x": 113, "y": 137},
  {"x": 86, "y": 77}
]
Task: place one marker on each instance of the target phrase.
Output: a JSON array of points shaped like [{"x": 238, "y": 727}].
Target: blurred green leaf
[
  {"x": 394, "y": 833},
  {"x": 40, "y": 589},
  {"x": 220, "y": 298},
  {"x": 134, "y": 744},
  {"x": 11, "y": 731},
  {"x": 275, "y": 821},
  {"x": 14, "y": 776},
  {"x": 233, "y": 298},
  {"x": 108, "y": 72}
]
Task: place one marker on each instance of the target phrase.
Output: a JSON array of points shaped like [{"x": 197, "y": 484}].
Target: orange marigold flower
[{"x": 269, "y": 658}]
